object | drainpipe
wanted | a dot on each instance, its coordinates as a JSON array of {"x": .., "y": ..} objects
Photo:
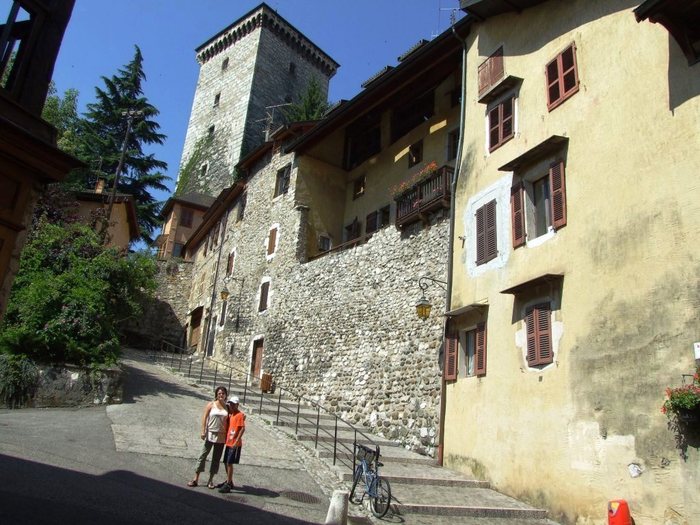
[
  {"x": 210, "y": 328},
  {"x": 450, "y": 248}
]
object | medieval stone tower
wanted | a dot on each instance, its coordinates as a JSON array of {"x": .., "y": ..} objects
[{"x": 248, "y": 72}]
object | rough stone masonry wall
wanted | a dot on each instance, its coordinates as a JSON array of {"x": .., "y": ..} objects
[
  {"x": 345, "y": 332},
  {"x": 341, "y": 329},
  {"x": 166, "y": 315}
]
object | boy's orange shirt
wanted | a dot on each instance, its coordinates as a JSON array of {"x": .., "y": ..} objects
[{"x": 236, "y": 424}]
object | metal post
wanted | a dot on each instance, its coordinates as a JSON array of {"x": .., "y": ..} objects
[
  {"x": 216, "y": 372},
  {"x": 201, "y": 371},
  {"x": 179, "y": 364},
  {"x": 296, "y": 428},
  {"x": 189, "y": 368},
  {"x": 245, "y": 387},
  {"x": 354, "y": 449},
  {"x": 230, "y": 373},
  {"x": 335, "y": 440},
  {"x": 261, "y": 400},
  {"x": 279, "y": 404},
  {"x": 172, "y": 360},
  {"x": 318, "y": 423}
]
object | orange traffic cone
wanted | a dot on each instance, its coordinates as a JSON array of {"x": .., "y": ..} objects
[{"x": 619, "y": 513}]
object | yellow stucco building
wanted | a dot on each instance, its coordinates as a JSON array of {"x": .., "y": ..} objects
[{"x": 575, "y": 268}]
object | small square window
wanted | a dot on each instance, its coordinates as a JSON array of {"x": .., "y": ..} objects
[
  {"x": 358, "y": 187},
  {"x": 324, "y": 243},
  {"x": 282, "y": 180},
  {"x": 415, "y": 153}
]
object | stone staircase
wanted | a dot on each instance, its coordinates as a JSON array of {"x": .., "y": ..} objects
[{"x": 422, "y": 491}]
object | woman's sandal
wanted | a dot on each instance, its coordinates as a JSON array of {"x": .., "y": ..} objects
[
  {"x": 192, "y": 483},
  {"x": 211, "y": 485}
]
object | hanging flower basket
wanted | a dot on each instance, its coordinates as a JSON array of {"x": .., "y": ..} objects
[{"x": 683, "y": 402}]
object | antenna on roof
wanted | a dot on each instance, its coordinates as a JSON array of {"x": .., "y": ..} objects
[{"x": 270, "y": 118}]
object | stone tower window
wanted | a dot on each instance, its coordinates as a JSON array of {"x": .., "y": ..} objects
[
  {"x": 217, "y": 99},
  {"x": 292, "y": 69},
  {"x": 224, "y": 64},
  {"x": 211, "y": 131}
]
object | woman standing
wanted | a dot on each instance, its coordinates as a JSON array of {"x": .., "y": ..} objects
[{"x": 214, "y": 423}]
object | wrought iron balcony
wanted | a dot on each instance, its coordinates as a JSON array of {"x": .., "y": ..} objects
[{"x": 430, "y": 194}]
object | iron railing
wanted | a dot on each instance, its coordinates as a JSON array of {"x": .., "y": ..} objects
[
  {"x": 425, "y": 196},
  {"x": 178, "y": 358}
]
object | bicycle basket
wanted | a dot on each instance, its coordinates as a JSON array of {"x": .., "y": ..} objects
[{"x": 365, "y": 453}]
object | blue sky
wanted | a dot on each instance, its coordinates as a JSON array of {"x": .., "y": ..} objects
[{"x": 362, "y": 35}]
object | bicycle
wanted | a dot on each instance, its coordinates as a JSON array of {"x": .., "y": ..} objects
[{"x": 375, "y": 487}]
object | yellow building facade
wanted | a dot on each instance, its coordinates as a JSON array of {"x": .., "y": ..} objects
[{"x": 575, "y": 269}]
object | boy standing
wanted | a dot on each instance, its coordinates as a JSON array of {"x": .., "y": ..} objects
[{"x": 234, "y": 442}]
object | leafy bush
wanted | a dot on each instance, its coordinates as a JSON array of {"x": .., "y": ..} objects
[
  {"x": 18, "y": 379},
  {"x": 70, "y": 295}
]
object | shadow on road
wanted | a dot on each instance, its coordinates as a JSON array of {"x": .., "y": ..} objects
[
  {"x": 34, "y": 493},
  {"x": 140, "y": 383}
]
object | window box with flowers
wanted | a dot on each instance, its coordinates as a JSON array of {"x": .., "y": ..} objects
[
  {"x": 427, "y": 190},
  {"x": 683, "y": 402}
]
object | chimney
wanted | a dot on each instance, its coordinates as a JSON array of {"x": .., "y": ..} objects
[{"x": 100, "y": 186}]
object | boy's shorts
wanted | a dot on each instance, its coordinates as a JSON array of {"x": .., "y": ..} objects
[{"x": 232, "y": 455}]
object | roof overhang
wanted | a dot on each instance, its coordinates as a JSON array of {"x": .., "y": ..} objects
[
  {"x": 474, "y": 307},
  {"x": 547, "y": 278},
  {"x": 542, "y": 150},
  {"x": 483, "y": 9}
]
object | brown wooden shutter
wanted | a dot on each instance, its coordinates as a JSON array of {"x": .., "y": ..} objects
[
  {"x": 484, "y": 76},
  {"x": 371, "y": 224},
  {"x": 496, "y": 66},
  {"x": 451, "y": 348},
  {"x": 480, "y": 352},
  {"x": 264, "y": 289},
  {"x": 517, "y": 214},
  {"x": 494, "y": 128},
  {"x": 539, "y": 335},
  {"x": 557, "y": 189},
  {"x": 491, "y": 241},
  {"x": 271, "y": 241},
  {"x": 481, "y": 235},
  {"x": 543, "y": 321},
  {"x": 229, "y": 264}
]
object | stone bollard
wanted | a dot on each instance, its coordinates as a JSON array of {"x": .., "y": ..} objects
[{"x": 338, "y": 509}]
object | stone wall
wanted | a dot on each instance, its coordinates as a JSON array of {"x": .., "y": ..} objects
[
  {"x": 340, "y": 329},
  {"x": 166, "y": 315}
]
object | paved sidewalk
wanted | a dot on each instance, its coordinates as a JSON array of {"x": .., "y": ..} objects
[{"x": 130, "y": 463}]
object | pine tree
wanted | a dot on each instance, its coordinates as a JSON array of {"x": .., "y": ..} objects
[
  {"x": 102, "y": 133},
  {"x": 312, "y": 105}
]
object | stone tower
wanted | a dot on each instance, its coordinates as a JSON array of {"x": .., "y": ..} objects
[{"x": 247, "y": 73}]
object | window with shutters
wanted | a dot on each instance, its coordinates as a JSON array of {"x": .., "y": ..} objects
[
  {"x": 538, "y": 328},
  {"x": 272, "y": 241},
  {"x": 353, "y": 230},
  {"x": 282, "y": 181},
  {"x": 501, "y": 123},
  {"x": 377, "y": 219},
  {"x": 264, "y": 296},
  {"x": 538, "y": 204},
  {"x": 491, "y": 71},
  {"x": 486, "y": 237},
  {"x": 465, "y": 353},
  {"x": 561, "y": 77}
]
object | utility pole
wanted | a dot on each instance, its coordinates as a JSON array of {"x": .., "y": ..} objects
[{"x": 130, "y": 116}]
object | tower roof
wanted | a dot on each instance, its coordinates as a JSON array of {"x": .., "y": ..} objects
[{"x": 264, "y": 16}]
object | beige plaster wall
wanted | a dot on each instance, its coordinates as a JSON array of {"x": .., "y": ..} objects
[{"x": 625, "y": 318}]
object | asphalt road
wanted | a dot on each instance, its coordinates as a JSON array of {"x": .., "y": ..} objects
[{"x": 129, "y": 463}]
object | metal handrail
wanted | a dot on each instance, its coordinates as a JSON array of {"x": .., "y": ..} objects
[{"x": 288, "y": 411}]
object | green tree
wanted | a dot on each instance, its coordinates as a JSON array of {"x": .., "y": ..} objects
[
  {"x": 102, "y": 133},
  {"x": 312, "y": 106},
  {"x": 62, "y": 114},
  {"x": 70, "y": 296}
]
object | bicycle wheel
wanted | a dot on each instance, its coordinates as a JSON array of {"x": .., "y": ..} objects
[
  {"x": 379, "y": 504},
  {"x": 355, "y": 480}
]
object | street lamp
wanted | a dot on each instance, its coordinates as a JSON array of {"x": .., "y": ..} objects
[
  {"x": 130, "y": 116},
  {"x": 423, "y": 306}
]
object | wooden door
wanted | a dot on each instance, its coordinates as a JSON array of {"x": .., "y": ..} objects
[{"x": 256, "y": 361}]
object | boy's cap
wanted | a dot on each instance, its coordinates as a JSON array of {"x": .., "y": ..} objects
[{"x": 234, "y": 400}]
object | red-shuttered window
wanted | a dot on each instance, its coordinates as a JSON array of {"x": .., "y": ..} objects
[
  {"x": 272, "y": 241},
  {"x": 264, "y": 291},
  {"x": 229, "y": 263},
  {"x": 561, "y": 77},
  {"x": 501, "y": 128},
  {"x": 451, "y": 350},
  {"x": 538, "y": 324},
  {"x": 486, "y": 241},
  {"x": 545, "y": 200}
]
